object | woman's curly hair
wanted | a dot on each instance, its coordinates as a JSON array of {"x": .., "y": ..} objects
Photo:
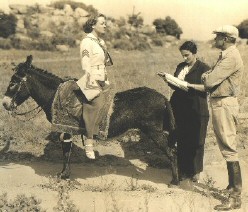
[
  {"x": 87, "y": 27},
  {"x": 190, "y": 46}
]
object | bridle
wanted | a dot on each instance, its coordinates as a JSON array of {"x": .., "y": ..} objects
[{"x": 14, "y": 113}]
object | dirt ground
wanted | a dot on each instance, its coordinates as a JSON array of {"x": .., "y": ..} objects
[{"x": 120, "y": 179}]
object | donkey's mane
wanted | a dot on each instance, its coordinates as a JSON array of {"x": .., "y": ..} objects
[{"x": 45, "y": 73}]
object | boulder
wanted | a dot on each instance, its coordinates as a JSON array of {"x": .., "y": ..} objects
[
  {"x": 81, "y": 21},
  {"x": 62, "y": 48},
  {"x": 20, "y": 24},
  {"x": 44, "y": 22},
  {"x": 79, "y": 12},
  {"x": 68, "y": 10},
  {"x": 170, "y": 38},
  {"x": 19, "y": 8},
  {"x": 47, "y": 34},
  {"x": 147, "y": 29},
  {"x": 58, "y": 12},
  {"x": 46, "y": 9}
]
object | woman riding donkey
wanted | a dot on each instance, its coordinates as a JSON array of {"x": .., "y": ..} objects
[{"x": 94, "y": 59}]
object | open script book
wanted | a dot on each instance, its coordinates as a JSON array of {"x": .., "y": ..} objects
[{"x": 176, "y": 82}]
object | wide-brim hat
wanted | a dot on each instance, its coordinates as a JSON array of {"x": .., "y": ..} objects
[{"x": 228, "y": 30}]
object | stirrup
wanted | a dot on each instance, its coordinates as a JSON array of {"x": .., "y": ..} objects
[{"x": 89, "y": 151}]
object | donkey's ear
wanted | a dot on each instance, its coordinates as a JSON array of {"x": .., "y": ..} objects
[{"x": 29, "y": 60}]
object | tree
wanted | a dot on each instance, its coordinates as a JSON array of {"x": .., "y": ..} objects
[
  {"x": 7, "y": 25},
  {"x": 167, "y": 26},
  {"x": 243, "y": 29},
  {"x": 135, "y": 20}
]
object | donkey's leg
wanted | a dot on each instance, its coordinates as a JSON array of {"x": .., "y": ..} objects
[
  {"x": 162, "y": 140},
  {"x": 66, "y": 142}
]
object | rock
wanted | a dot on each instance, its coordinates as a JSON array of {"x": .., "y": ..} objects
[
  {"x": 47, "y": 34},
  {"x": 147, "y": 29},
  {"x": 20, "y": 24},
  {"x": 19, "y": 8},
  {"x": 21, "y": 30},
  {"x": 62, "y": 48},
  {"x": 44, "y": 22},
  {"x": 79, "y": 12},
  {"x": 78, "y": 42},
  {"x": 170, "y": 38},
  {"x": 68, "y": 10},
  {"x": 58, "y": 12},
  {"x": 81, "y": 21},
  {"x": 22, "y": 37},
  {"x": 45, "y": 9}
]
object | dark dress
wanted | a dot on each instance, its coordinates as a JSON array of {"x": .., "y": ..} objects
[{"x": 192, "y": 116}]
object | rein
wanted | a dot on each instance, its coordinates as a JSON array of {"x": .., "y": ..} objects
[{"x": 16, "y": 114}]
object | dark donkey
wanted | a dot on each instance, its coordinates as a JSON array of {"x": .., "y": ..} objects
[{"x": 140, "y": 108}]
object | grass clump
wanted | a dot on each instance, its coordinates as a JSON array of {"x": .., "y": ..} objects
[{"x": 20, "y": 203}]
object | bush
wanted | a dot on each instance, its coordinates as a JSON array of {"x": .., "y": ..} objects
[
  {"x": 243, "y": 29},
  {"x": 157, "y": 40},
  {"x": 20, "y": 203},
  {"x": 32, "y": 31},
  {"x": 5, "y": 43},
  {"x": 140, "y": 43},
  {"x": 7, "y": 25},
  {"x": 43, "y": 44},
  {"x": 65, "y": 40},
  {"x": 34, "y": 9},
  {"x": 123, "y": 44},
  {"x": 167, "y": 26},
  {"x": 60, "y": 5},
  {"x": 38, "y": 44},
  {"x": 20, "y": 44}
]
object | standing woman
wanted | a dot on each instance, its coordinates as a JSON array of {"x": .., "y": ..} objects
[
  {"x": 191, "y": 113},
  {"x": 94, "y": 59}
]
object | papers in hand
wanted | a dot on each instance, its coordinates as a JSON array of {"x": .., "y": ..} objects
[{"x": 176, "y": 82}]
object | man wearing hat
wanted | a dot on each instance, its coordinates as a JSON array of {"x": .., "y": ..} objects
[{"x": 223, "y": 83}]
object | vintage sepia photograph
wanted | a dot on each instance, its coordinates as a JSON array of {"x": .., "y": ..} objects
[{"x": 123, "y": 106}]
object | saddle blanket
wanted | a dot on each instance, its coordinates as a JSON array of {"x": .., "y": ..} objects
[{"x": 67, "y": 110}]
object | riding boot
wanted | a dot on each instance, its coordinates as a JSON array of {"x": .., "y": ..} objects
[
  {"x": 234, "y": 200},
  {"x": 230, "y": 185},
  {"x": 89, "y": 148},
  {"x": 237, "y": 179},
  {"x": 66, "y": 142}
]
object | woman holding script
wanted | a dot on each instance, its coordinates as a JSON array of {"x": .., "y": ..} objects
[{"x": 189, "y": 103}]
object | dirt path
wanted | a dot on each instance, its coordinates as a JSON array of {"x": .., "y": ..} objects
[{"x": 97, "y": 186}]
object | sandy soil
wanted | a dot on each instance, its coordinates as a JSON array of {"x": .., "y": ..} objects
[{"x": 117, "y": 183}]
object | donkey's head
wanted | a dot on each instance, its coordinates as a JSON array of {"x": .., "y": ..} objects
[{"x": 17, "y": 90}]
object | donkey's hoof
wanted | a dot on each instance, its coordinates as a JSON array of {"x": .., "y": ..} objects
[
  {"x": 64, "y": 175},
  {"x": 174, "y": 184}
]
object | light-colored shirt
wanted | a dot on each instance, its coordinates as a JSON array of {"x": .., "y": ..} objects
[
  {"x": 93, "y": 57},
  {"x": 225, "y": 77},
  {"x": 183, "y": 73},
  {"x": 93, "y": 64}
]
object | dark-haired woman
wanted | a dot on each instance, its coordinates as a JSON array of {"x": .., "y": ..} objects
[
  {"x": 94, "y": 59},
  {"x": 191, "y": 113}
]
